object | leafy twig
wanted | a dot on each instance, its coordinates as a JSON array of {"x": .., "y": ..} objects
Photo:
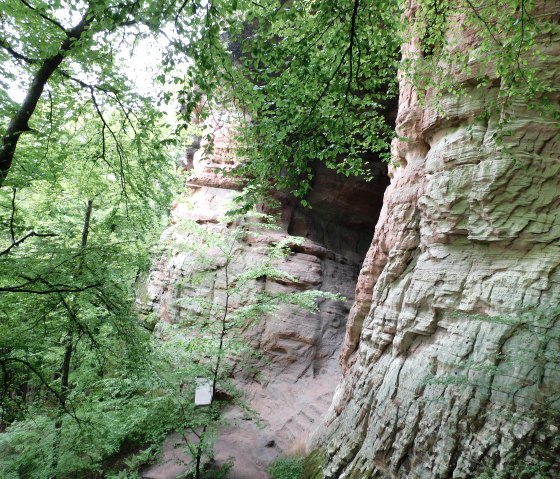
[
  {"x": 45, "y": 17},
  {"x": 27, "y": 236}
]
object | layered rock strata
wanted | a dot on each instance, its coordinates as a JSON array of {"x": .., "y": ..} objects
[
  {"x": 451, "y": 351},
  {"x": 296, "y": 383}
]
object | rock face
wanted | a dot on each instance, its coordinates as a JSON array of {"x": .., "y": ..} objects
[
  {"x": 295, "y": 387},
  {"x": 452, "y": 346}
]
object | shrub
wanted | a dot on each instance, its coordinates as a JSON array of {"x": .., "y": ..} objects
[{"x": 286, "y": 468}]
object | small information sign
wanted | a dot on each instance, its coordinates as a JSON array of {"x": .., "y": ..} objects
[{"x": 204, "y": 392}]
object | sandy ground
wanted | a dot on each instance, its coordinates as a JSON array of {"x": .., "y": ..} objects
[{"x": 292, "y": 411}]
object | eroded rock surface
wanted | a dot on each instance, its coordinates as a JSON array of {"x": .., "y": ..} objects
[
  {"x": 296, "y": 384},
  {"x": 451, "y": 351}
]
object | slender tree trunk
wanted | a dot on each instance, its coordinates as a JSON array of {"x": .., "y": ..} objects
[
  {"x": 216, "y": 372},
  {"x": 198, "y": 468},
  {"x": 64, "y": 383},
  {"x": 87, "y": 219},
  {"x": 67, "y": 359}
]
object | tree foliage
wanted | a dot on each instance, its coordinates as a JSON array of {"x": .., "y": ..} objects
[
  {"x": 77, "y": 231},
  {"x": 317, "y": 81},
  {"x": 313, "y": 80},
  {"x": 286, "y": 468},
  {"x": 90, "y": 180},
  {"x": 510, "y": 40}
]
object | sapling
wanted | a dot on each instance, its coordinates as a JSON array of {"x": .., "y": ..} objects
[{"x": 227, "y": 296}]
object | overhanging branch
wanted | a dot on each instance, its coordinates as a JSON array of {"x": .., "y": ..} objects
[
  {"x": 54, "y": 290},
  {"x": 20, "y": 121},
  {"x": 45, "y": 17},
  {"x": 15, "y": 244},
  {"x": 44, "y": 382},
  {"x": 17, "y": 55}
]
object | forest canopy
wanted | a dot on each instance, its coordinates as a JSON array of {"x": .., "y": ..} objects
[{"x": 312, "y": 80}]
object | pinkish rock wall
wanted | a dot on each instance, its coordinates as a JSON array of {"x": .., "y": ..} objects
[
  {"x": 452, "y": 345},
  {"x": 296, "y": 384}
]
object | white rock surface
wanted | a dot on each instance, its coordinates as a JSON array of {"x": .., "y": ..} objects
[{"x": 451, "y": 351}]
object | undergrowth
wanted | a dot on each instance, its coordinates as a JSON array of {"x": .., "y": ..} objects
[{"x": 286, "y": 468}]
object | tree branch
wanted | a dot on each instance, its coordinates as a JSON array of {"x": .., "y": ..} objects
[
  {"x": 62, "y": 289},
  {"x": 50, "y": 124},
  {"x": 351, "y": 50},
  {"x": 109, "y": 91},
  {"x": 120, "y": 152},
  {"x": 180, "y": 10},
  {"x": 518, "y": 56},
  {"x": 85, "y": 230},
  {"x": 15, "y": 244},
  {"x": 324, "y": 91},
  {"x": 83, "y": 84},
  {"x": 44, "y": 382},
  {"x": 45, "y": 17},
  {"x": 484, "y": 22},
  {"x": 20, "y": 121},
  {"x": 18, "y": 56}
]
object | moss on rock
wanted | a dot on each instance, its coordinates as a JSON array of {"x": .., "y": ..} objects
[{"x": 313, "y": 465}]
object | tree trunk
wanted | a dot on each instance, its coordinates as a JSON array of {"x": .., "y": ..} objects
[{"x": 67, "y": 359}]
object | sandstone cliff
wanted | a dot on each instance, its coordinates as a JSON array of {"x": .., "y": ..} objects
[
  {"x": 451, "y": 346},
  {"x": 451, "y": 350},
  {"x": 296, "y": 382}
]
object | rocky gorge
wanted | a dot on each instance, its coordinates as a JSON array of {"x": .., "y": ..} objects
[
  {"x": 444, "y": 360},
  {"x": 280, "y": 239},
  {"x": 296, "y": 384}
]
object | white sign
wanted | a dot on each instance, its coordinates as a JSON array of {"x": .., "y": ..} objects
[{"x": 204, "y": 392}]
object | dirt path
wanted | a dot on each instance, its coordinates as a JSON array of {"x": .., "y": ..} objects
[
  {"x": 249, "y": 446},
  {"x": 292, "y": 411}
]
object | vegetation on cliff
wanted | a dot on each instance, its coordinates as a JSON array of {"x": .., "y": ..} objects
[
  {"x": 86, "y": 177},
  {"x": 317, "y": 81}
]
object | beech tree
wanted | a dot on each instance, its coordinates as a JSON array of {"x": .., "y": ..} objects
[
  {"x": 64, "y": 52},
  {"x": 87, "y": 177},
  {"x": 75, "y": 240}
]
